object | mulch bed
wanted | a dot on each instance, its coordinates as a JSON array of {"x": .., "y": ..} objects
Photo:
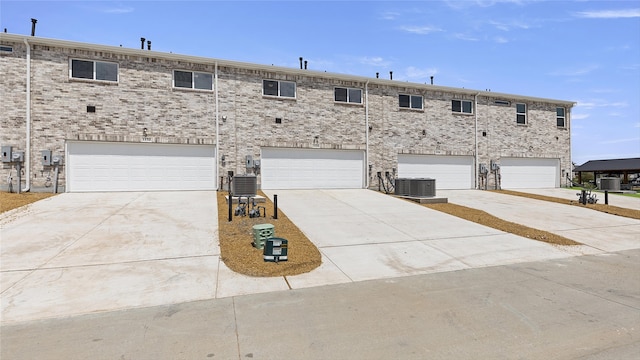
[{"x": 239, "y": 254}]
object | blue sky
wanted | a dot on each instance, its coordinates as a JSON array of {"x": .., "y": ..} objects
[{"x": 582, "y": 51}]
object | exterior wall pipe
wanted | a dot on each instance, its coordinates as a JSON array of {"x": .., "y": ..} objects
[
  {"x": 475, "y": 155},
  {"x": 569, "y": 171},
  {"x": 366, "y": 129},
  {"x": 217, "y": 116},
  {"x": 27, "y": 159}
]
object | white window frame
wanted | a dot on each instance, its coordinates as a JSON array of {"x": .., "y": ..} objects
[
  {"x": 462, "y": 102},
  {"x": 279, "y": 95},
  {"x": 95, "y": 62},
  {"x": 193, "y": 80},
  {"x": 410, "y": 107},
  {"x": 348, "y": 101},
  {"x": 523, "y": 114},
  {"x": 563, "y": 117}
]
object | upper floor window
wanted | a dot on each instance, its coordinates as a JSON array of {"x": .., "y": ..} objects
[
  {"x": 6, "y": 48},
  {"x": 279, "y": 88},
  {"x": 192, "y": 80},
  {"x": 348, "y": 95},
  {"x": 561, "y": 119},
  {"x": 410, "y": 101},
  {"x": 93, "y": 70},
  {"x": 521, "y": 114},
  {"x": 462, "y": 106}
]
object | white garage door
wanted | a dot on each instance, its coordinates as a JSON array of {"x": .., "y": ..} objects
[
  {"x": 529, "y": 173},
  {"x": 450, "y": 172},
  {"x": 284, "y": 168},
  {"x": 103, "y": 166}
]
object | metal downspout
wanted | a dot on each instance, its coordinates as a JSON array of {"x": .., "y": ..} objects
[
  {"x": 366, "y": 129},
  {"x": 27, "y": 159},
  {"x": 475, "y": 156},
  {"x": 217, "y": 126}
]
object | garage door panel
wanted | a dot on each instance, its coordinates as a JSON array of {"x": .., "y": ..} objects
[
  {"x": 311, "y": 168},
  {"x": 98, "y": 166},
  {"x": 450, "y": 172},
  {"x": 523, "y": 173}
]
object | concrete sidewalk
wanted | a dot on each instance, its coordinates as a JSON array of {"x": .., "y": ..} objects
[{"x": 584, "y": 307}]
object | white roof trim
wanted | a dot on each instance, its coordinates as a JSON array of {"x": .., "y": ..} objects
[{"x": 293, "y": 71}]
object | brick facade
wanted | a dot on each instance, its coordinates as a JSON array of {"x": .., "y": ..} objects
[{"x": 145, "y": 98}]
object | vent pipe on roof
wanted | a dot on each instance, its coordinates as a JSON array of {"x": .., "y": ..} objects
[
  {"x": 142, "y": 43},
  {"x": 431, "y": 80},
  {"x": 148, "y": 44},
  {"x": 377, "y": 75},
  {"x": 305, "y": 64},
  {"x": 33, "y": 26},
  {"x": 300, "y": 62},
  {"x": 390, "y": 75}
]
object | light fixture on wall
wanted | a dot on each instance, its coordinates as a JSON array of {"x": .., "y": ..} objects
[
  {"x": 370, "y": 127},
  {"x": 424, "y": 132},
  {"x": 224, "y": 117},
  {"x": 144, "y": 132}
]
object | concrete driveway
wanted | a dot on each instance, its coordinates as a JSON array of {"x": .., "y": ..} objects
[
  {"x": 91, "y": 252},
  {"x": 366, "y": 235},
  {"x": 600, "y": 231},
  {"x": 96, "y": 252}
]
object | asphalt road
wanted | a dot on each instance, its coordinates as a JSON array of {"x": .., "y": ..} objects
[{"x": 585, "y": 307}]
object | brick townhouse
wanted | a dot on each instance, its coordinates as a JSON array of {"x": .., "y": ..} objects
[{"x": 126, "y": 119}]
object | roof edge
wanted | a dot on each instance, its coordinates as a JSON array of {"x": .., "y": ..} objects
[{"x": 272, "y": 68}]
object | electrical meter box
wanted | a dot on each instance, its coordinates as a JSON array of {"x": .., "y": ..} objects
[
  {"x": 46, "y": 157},
  {"x": 18, "y": 156},
  {"x": 249, "y": 160},
  {"x": 256, "y": 163},
  {"x": 57, "y": 160},
  {"x": 276, "y": 249},
  {"x": 494, "y": 166},
  {"x": 6, "y": 154},
  {"x": 483, "y": 168}
]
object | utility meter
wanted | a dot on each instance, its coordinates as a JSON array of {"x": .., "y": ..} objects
[{"x": 18, "y": 156}]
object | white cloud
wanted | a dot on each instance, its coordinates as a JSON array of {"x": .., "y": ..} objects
[
  {"x": 577, "y": 71},
  {"x": 415, "y": 73},
  {"x": 500, "y": 40},
  {"x": 374, "y": 61},
  {"x": 465, "y": 37},
  {"x": 579, "y": 116},
  {"x": 117, "y": 10},
  {"x": 631, "y": 67},
  {"x": 618, "y": 141},
  {"x": 599, "y": 103},
  {"x": 390, "y": 15},
  {"x": 421, "y": 30},
  {"x": 509, "y": 26},
  {"x": 457, "y": 4},
  {"x": 609, "y": 14}
]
